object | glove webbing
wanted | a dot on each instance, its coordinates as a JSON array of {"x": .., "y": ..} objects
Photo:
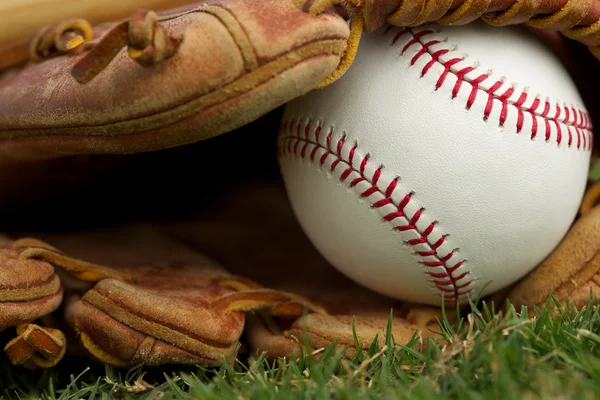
[{"x": 576, "y": 19}]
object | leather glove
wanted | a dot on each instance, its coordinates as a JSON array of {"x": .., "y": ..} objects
[{"x": 75, "y": 98}]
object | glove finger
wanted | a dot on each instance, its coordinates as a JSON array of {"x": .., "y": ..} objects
[
  {"x": 315, "y": 331},
  {"x": 164, "y": 316},
  {"x": 29, "y": 289},
  {"x": 219, "y": 78}
]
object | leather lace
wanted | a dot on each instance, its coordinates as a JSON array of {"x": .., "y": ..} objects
[{"x": 576, "y": 19}]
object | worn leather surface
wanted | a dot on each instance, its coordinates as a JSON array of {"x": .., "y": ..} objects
[
  {"x": 28, "y": 289},
  {"x": 40, "y": 198},
  {"x": 237, "y": 61},
  {"x": 164, "y": 316}
]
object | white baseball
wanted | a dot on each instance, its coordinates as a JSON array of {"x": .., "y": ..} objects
[{"x": 447, "y": 161}]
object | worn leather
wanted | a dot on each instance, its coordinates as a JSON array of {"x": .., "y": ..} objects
[
  {"x": 29, "y": 289},
  {"x": 233, "y": 65},
  {"x": 127, "y": 108},
  {"x": 36, "y": 346},
  {"x": 170, "y": 310},
  {"x": 576, "y": 19},
  {"x": 405, "y": 13},
  {"x": 163, "y": 316}
]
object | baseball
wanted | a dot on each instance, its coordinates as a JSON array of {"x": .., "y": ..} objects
[{"x": 446, "y": 164}]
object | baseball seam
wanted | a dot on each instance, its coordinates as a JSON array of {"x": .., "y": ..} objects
[
  {"x": 568, "y": 120},
  {"x": 447, "y": 271}
]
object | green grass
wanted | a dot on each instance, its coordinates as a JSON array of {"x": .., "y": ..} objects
[{"x": 514, "y": 355}]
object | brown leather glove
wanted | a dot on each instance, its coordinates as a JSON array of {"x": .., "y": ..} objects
[
  {"x": 159, "y": 314},
  {"x": 164, "y": 302},
  {"x": 74, "y": 99},
  {"x": 30, "y": 289}
]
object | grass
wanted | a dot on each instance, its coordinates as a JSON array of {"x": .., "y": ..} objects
[{"x": 524, "y": 354}]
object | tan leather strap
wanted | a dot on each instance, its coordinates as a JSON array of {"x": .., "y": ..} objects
[
  {"x": 36, "y": 347},
  {"x": 433, "y": 11},
  {"x": 147, "y": 43},
  {"x": 568, "y": 16},
  {"x": 551, "y": 14},
  {"x": 578, "y": 19},
  {"x": 81, "y": 270},
  {"x": 404, "y": 14},
  {"x": 250, "y": 296},
  {"x": 518, "y": 13},
  {"x": 469, "y": 11},
  {"x": 66, "y": 37},
  {"x": 588, "y": 35}
]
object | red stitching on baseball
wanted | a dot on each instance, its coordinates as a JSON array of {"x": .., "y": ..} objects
[
  {"x": 363, "y": 164},
  {"x": 567, "y": 115},
  {"x": 416, "y": 37},
  {"x": 451, "y": 286},
  {"x": 460, "y": 76},
  {"x": 447, "y": 65},
  {"x": 369, "y": 191},
  {"x": 581, "y": 121},
  {"x": 356, "y": 181},
  {"x": 303, "y": 152},
  {"x": 435, "y": 57},
  {"x": 334, "y": 164},
  {"x": 475, "y": 88},
  {"x": 323, "y": 157},
  {"x": 351, "y": 155},
  {"x": 392, "y": 216},
  {"x": 521, "y": 100},
  {"x": 345, "y": 173},
  {"x": 376, "y": 175},
  {"x": 312, "y": 154},
  {"x": 391, "y": 187},
  {"x": 423, "y": 51}
]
